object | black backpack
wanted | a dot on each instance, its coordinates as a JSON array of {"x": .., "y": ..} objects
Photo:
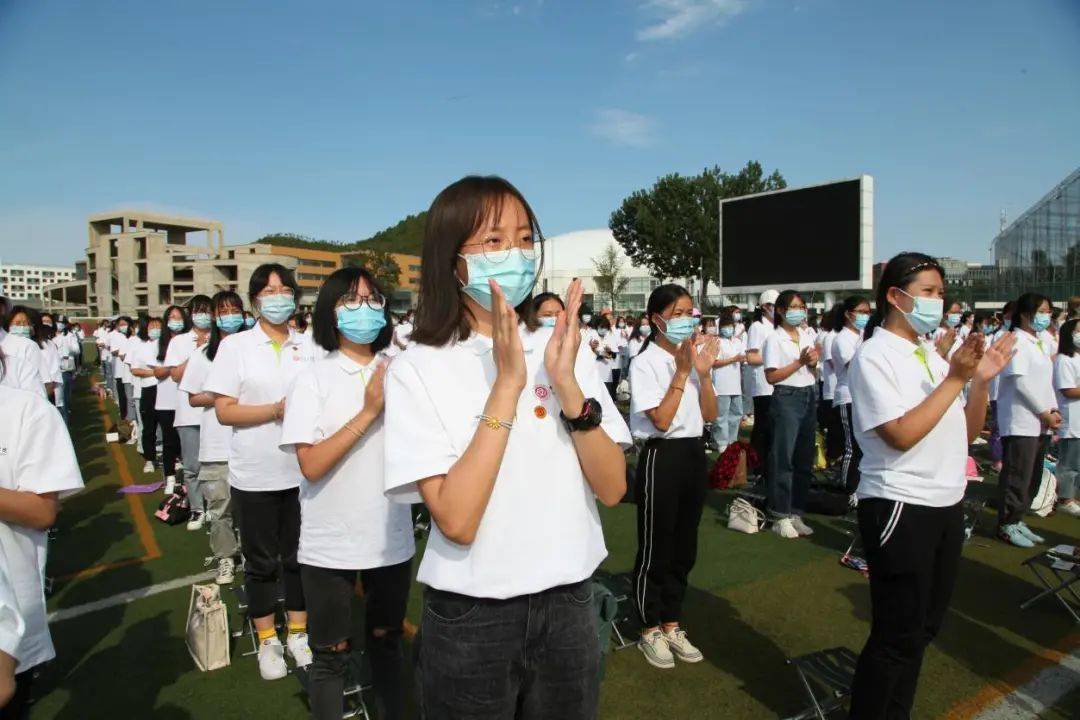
[{"x": 174, "y": 509}]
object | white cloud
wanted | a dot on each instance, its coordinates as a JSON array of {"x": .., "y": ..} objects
[
  {"x": 678, "y": 18},
  {"x": 622, "y": 127},
  {"x": 631, "y": 57}
]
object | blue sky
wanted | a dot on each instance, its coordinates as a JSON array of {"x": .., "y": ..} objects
[{"x": 336, "y": 119}]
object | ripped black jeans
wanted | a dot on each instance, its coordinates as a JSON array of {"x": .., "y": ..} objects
[{"x": 329, "y": 596}]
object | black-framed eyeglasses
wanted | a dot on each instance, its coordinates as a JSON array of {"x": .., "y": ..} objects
[{"x": 375, "y": 301}]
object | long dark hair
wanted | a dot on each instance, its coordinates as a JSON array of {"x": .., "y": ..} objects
[
  {"x": 225, "y": 298},
  {"x": 337, "y": 285},
  {"x": 899, "y": 272},
  {"x": 841, "y": 310},
  {"x": 661, "y": 299},
  {"x": 166, "y": 333},
  {"x": 1066, "y": 346},
  {"x": 33, "y": 316},
  {"x": 1027, "y": 305},
  {"x": 456, "y": 213},
  {"x": 784, "y": 300}
]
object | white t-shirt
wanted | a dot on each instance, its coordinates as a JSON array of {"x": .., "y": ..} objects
[
  {"x": 633, "y": 347},
  {"x": 828, "y": 374},
  {"x": 67, "y": 346},
  {"x": 1032, "y": 372},
  {"x": 402, "y": 333},
  {"x": 36, "y": 456},
  {"x": 12, "y": 627},
  {"x": 844, "y": 347},
  {"x": 116, "y": 342},
  {"x": 606, "y": 366},
  {"x": 348, "y": 522},
  {"x": 180, "y": 349},
  {"x": 759, "y": 330},
  {"x": 1067, "y": 376},
  {"x": 1049, "y": 342},
  {"x": 248, "y": 368},
  {"x": 142, "y": 355},
  {"x": 214, "y": 438},
  {"x": 780, "y": 350},
  {"x": 21, "y": 375},
  {"x": 50, "y": 363},
  {"x": 887, "y": 380},
  {"x": 26, "y": 350},
  {"x": 541, "y": 528},
  {"x": 650, "y": 376},
  {"x": 727, "y": 380}
]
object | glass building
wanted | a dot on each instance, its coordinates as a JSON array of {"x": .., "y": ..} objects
[{"x": 1040, "y": 250}]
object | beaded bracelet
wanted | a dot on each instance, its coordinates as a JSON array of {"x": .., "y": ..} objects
[
  {"x": 494, "y": 423},
  {"x": 354, "y": 431}
]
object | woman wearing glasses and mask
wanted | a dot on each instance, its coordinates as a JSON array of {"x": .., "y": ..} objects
[
  {"x": 505, "y": 432},
  {"x": 250, "y": 375}
]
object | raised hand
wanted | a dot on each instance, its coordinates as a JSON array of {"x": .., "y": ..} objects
[
  {"x": 967, "y": 357},
  {"x": 705, "y": 355},
  {"x": 685, "y": 357},
  {"x": 945, "y": 342},
  {"x": 373, "y": 393},
  {"x": 996, "y": 357},
  {"x": 560, "y": 355},
  {"x": 506, "y": 348}
]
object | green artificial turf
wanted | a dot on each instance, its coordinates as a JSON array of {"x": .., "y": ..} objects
[{"x": 754, "y": 601}]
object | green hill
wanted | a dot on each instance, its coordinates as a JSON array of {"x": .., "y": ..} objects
[{"x": 406, "y": 237}]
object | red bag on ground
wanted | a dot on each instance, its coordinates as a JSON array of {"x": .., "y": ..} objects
[{"x": 730, "y": 469}]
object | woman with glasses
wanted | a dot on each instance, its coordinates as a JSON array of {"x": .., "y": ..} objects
[
  {"x": 333, "y": 422},
  {"x": 505, "y": 432},
  {"x": 250, "y": 375}
]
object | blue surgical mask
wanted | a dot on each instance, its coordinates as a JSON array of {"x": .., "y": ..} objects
[
  {"x": 60, "y": 326},
  {"x": 229, "y": 323},
  {"x": 678, "y": 329},
  {"x": 176, "y": 325},
  {"x": 861, "y": 319},
  {"x": 727, "y": 332},
  {"x": 20, "y": 330},
  {"x": 515, "y": 275},
  {"x": 548, "y": 322},
  {"x": 602, "y": 332},
  {"x": 925, "y": 315},
  {"x": 201, "y": 320},
  {"x": 277, "y": 309},
  {"x": 795, "y": 318},
  {"x": 249, "y": 322},
  {"x": 154, "y": 333},
  {"x": 645, "y": 330},
  {"x": 360, "y": 325},
  {"x": 122, "y": 328},
  {"x": 987, "y": 330},
  {"x": 586, "y": 319},
  {"x": 1040, "y": 322},
  {"x": 952, "y": 319},
  {"x": 737, "y": 317}
]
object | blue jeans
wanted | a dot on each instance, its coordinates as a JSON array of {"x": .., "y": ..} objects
[
  {"x": 527, "y": 657},
  {"x": 725, "y": 428},
  {"x": 189, "y": 458},
  {"x": 1068, "y": 467},
  {"x": 790, "y": 462}
]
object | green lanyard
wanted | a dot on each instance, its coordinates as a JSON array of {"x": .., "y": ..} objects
[{"x": 920, "y": 354}]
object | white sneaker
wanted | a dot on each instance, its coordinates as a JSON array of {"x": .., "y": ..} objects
[
  {"x": 224, "y": 571},
  {"x": 196, "y": 521},
  {"x": 801, "y": 527},
  {"x": 1070, "y": 507},
  {"x": 681, "y": 647},
  {"x": 299, "y": 650},
  {"x": 785, "y": 528},
  {"x": 148, "y": 467},
  {"x": 170, "y": 484},
  {"x": 272, "y": 660},
  {"x": 654, "y": 647}
]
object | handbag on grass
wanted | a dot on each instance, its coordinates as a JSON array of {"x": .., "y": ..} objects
[
  {"x": 208, "y": 628},
  {"x": 744, "y": 517}
]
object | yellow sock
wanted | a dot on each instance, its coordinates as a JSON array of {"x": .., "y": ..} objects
[
  {"x": 297, "y": 628},
  {"x": 266, "y": 634}
]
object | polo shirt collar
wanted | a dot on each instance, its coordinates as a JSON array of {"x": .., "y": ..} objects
[
  {"x": 1027, "y": 336},
  {"x": 895, "y": 341},
  {"x": 262, "y": 337},
  {"x": 481, "y": 344},
  {"x": 350, "y": 366}
]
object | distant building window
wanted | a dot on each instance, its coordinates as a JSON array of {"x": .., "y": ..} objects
[{"x": 414, "y": 268}]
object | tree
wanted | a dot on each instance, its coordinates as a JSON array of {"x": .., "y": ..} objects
[
  {"x": 379, "y": 263},
  {"x": 609, "y": 277},
  {"x": 673, "y": 228}
]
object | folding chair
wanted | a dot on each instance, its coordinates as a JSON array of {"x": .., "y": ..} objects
[
  {"x": 1065, "y": 571},
  {"x": 357, "y": 682},
  {"x": 826, "y": 676},
  {"x": 620, "y": 587}
]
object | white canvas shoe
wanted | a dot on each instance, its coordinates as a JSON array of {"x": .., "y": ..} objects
[
  {"x": 785, "y": 528},
  {"x": 272, "y": 660},
  {"x": 299, "y": 650}
]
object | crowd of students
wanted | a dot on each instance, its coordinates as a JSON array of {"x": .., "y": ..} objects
[{"x": 303, "y": 438}]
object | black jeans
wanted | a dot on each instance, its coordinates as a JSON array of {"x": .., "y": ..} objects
[
  {"x": 527, "y": 657},
  {"x": 790, "y": 462},
  {"x": 121, "y": 400},
  {"x": 672, "y": 482},
  {"x": 170, "y": 440},
  {"x": 269, "y": 536},
  {"x": 329, "y": 595},
  {"x": 1021, "y": 472},
  {"x": 913, "y": 552},
  {"x": 761, "y": 434},
  {"x": 849, "y": 464}
]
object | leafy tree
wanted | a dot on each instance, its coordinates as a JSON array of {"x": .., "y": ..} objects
[
  {"x": 379, "y": 263},
  {"x": 407, "y": 236},
  {"x": 609, "y": 277},
  {"x": 673, "y": 228},
  {"x": 294, "y": 240}
]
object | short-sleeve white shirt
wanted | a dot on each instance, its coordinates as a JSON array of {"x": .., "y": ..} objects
[
  {"x": 650, "y": 376},
  {"x": 780, "y": 350},
  {"x": 348, "y": 522},
  {"x": 759, "y": 331},
  {"x": 727, "y": 380},
  {"x": 21, "y": 375},
  {"x": 844, "y": 347},
  {"x": 828, "y": 373},
  {"x": 1032, "y": 373},
  {"x": 26, "y": 350},
  {"x": 36, "y": 456},
  {"x": 214, "y": 438},
  {"x": 541, "y": 528},
  {"x": 248, "y": 368},
  {"x": 180, "y": 349},
  {"x": 1067, "y": 376},
  {"x": 887, "y": 380},
  {"x": 12, "y": 627}
]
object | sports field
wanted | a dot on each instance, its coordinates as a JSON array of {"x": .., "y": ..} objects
[{"x": 755, "y": 600}]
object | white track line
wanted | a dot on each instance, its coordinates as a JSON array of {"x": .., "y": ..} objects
[
  {"x": 1041, "y": 692},
  {"x": 129, "y": 596}
]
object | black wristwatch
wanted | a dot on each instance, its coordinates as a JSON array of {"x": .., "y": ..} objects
[{"x": 590, "y": 417}]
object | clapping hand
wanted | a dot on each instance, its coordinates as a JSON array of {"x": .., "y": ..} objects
[
  {"x": 506, "y": 348},
  {"x": 967, "y": 357},
  {"x": 703, "y": 356},
  {"x": 945, "y": 342},
  {"x": 996, "y": 357}
]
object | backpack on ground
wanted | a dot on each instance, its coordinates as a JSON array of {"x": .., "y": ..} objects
[
  {"x": 175, "y": 509},
  {"x": 1042, "y": 504}
]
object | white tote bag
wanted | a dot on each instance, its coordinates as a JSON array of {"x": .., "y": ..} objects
[
  {"x": 208, "y": 628},
  {"x": 1043, "y": 502},
  {"x": 744, "y": 517}
]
